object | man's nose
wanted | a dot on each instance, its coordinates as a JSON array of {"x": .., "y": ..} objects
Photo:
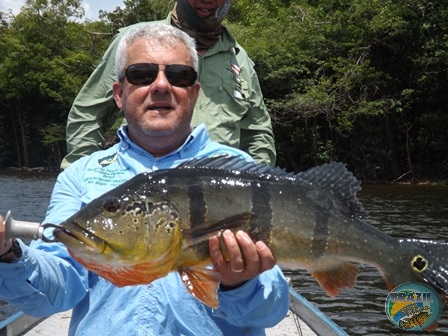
[{"x": 161, "y": 82}]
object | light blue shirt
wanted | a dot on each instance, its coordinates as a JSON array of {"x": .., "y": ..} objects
[{"x": 46, "y": 280}]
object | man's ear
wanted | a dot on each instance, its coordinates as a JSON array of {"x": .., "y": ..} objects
[
  {"x": 196, "y": 88},
  {"x": 117, "y": 88}
]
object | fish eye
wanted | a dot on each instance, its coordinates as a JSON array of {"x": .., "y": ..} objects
[{"x": 112, "y": 205}]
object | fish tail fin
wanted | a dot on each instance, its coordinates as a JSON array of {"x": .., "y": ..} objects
[
  {"x": 420, "y": 261},
  {"x": 432, "y": 263},
  {"x": 334, "y": 280},
  {"x": 428, "y": 262}
]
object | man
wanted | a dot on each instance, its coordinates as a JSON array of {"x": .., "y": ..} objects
[
  {"x": 230, "y": 101},
  {"x": 157, "y": 90}
]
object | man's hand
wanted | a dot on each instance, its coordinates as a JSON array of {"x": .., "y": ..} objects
[
  {"x": 4, "y": 246},
  {"x": 246, "y": 258}
]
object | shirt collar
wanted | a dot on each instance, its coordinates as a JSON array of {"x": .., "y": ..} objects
[{"x": 197, "y": 140}]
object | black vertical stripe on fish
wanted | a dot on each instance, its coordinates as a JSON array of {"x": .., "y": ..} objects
[
  {"x": 197, "y": 206},
  {"x": 261, "y": 224},
  {"x": 321, "y": 230}
]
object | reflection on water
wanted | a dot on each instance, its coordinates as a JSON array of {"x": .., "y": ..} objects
[{"x": 401, "y": 211}]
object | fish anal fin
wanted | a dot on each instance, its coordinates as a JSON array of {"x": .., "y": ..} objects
[
  {"x": 332, "y": 281},
  {"x": 202, "y": 283},
  {"x": 198, "y": 234}
]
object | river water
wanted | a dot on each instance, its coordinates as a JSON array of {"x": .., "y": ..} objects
[{"x": 399, "y": 210}]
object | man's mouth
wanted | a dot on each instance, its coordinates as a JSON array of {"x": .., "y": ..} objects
[
  {"x": 205, "y": 11},
  {"x": 160, "y": 107}
]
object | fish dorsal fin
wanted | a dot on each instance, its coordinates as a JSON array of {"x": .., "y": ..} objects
[
  {"x": 201, "y": 233},
  {"x": 202, "y": 283},
  {"x": 333, "y": 178},
  {"x": 234, "y": 163},
  {"x": 336, "y": 179}
]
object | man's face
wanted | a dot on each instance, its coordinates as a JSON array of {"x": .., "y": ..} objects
[
  {"x": 158, "y": 109},
  {"x": 205, "y": 8}
]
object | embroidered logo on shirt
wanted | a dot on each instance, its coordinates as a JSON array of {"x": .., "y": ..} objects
[
  {"x": 106, "y": 177},
  {"x": 105, "y": 161}
]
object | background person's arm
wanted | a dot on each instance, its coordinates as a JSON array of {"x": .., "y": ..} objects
[{"x": 94, "y": 110}]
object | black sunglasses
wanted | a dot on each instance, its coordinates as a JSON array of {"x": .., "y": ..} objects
[{"x": 146, "y": 73}]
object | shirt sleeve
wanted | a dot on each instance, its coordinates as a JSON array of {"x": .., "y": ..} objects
[
  {"x": 257, "y": 136},
  {"x": 41, "y": 284},
  {"x": 261, "y": 302},
  {"x": 94, "y": 110}
]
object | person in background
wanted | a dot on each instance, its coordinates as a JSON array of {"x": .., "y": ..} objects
[
  {"x": 230, "y": 101},
  {"x": 156, "y": 65}
]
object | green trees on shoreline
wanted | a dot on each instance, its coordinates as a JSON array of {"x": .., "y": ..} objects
[{"x": 360, "y": 82}]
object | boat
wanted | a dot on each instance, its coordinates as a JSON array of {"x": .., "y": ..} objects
[
  {"x": 17, "y": 324},
  {"x": 303, "y": 319}
]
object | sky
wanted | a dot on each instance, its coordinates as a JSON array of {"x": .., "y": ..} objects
[{"x": 91, "y": 7}]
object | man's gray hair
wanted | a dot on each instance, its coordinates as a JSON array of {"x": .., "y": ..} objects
[{"x": 155, "y": 34}]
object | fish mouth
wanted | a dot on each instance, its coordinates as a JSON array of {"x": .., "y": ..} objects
[{"x": 76, "y": 237}]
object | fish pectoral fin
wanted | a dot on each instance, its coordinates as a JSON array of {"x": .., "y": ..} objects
[
  {"x": 202, "y": 283},
  {"x": 198, "y": 234},
  {"x": 334, "y": 280}
]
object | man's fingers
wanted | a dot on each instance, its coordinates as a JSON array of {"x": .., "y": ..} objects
[
  {"x": 235, "y": 254},
  {"x": 241, "y": 259},
  {"x": 267, "y": 259},
  {"x": 250, "y": 253},
  {"x": 215, "y": 253}
]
